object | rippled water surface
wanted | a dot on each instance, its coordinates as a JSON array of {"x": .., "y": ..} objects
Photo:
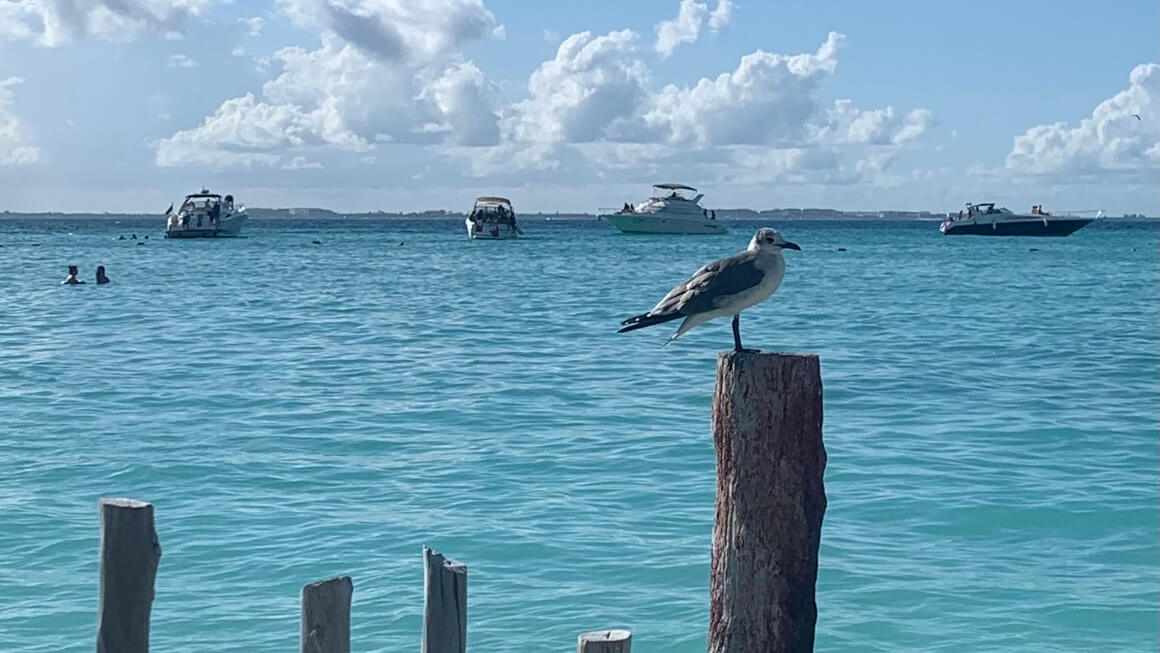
[{"x": 299, "y": 411}]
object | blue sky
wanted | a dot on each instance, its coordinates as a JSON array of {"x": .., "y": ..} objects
[{"x": 410, "y": 104}]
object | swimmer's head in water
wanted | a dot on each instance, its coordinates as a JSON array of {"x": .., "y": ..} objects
[{"x": 72, "y": 269}]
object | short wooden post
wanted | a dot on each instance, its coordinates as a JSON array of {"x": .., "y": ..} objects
[
  {"x": 605, "y": 641},
  {"x": 444, "y": 604},
  {"x": 130, "y": 553},
  {"x": 326, "y": 616},
  {"x": 767, "y": 430}
]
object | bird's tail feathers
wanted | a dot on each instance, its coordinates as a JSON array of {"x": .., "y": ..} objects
[
  {"x": 690, "y": 322},
  {"x": 646, "y": 320}
]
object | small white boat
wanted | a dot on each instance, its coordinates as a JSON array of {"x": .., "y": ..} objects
[
  {"x": 205, "y": 215},
  {"x": 492, "y": 218},
  {"x": 668, "y": 212},
  {"x": 986, "y": 219}
]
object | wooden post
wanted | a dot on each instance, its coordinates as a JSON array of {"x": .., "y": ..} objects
[
  {"x": 444, "y": 604},
  {"x": 130, "y": 553},
  {"x": 605, "y": 641},
  {"x": 326, "y": 616},
  {"x": 767, "y": 429}
]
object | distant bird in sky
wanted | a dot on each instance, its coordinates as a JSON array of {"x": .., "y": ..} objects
[
  {"x": 722, "y": 288},
  {"x": 1137, "y": 116}
]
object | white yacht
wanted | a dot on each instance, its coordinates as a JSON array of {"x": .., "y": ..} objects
[
  {"x": 668, "y": 211},
  {"x": 986, "y": 219},
  {"x": 492, "y": 218},
  {"x": 205, "y": 215}
]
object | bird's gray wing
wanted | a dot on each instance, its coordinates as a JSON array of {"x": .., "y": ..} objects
[{"x": 711, "y": 285}]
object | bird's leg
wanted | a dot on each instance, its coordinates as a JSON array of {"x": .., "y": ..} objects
[{"x": 737, "y": 336}]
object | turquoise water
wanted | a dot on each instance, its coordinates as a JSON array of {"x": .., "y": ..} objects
[{"x": 300, "y": 411}]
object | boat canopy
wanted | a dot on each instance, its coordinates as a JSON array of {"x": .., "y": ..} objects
[
  {"x": 489, "y": 199},
  {"x": 674, "y": 187},
  {"x": 986, "y": 208},
  {"x": 204, "y": 193}
]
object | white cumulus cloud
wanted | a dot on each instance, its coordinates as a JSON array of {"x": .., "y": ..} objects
[
  {"x": 585, "y": 93},
  {"x": 593, "y": 109},
  {"x": 301, "y": 163},
  {"x": 180, "y": 61},
  {"x": 462, "y": 97},
  {"x": 392, "y": 72},
  {"x": 1112, "y": 139},
  {"x": 16, "y": 146},
  {"x": 767, "y": 99},
  {"x": 342, "y": 97},
  {"x": 398, "y": 30},
  {"x": 254, "y": 24},
  {"x": 244, "y": 132},
  {"x": 692, "y": 18},
  {"x": 56, "y": 22},
  {"x": 847, "y": 124}
]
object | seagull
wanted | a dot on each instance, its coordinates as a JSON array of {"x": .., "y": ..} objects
[
  {"x": 1137, "y": 116},
  {"x": 722, "y": 288}
]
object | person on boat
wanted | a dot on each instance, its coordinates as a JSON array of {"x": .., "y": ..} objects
[
  {"x": 101, "y": 277},
  {"x": 71, "y": 279},
  {"x": 229, "y": 204}
]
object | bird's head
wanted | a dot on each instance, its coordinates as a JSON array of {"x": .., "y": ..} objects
[{"x": 770, "y": 240}]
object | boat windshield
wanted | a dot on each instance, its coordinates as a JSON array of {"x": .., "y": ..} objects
[
  {"x": 199, "y": 203},
  {"x": 670, "y": 194},
  {"x": 987, "y": 208},
  {"x": 493, "y": 212}
]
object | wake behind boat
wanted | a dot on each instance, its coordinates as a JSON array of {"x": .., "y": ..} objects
[
  {"x": 985, "y": 219},
  {"x": 666, "y": 213},
  {"x": 205, "y": 215}
]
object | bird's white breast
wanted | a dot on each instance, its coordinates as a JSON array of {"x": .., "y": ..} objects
[{"x": 773, "y": 267}]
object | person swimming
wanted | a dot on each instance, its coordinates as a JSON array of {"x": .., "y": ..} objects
[
  {"x": 101, "y": 277},
  {"x": 71, "y": 279}
]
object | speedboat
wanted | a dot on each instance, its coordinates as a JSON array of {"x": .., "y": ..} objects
[
  {"x": 492, "y": 218},
  {"x": 668, "y": 211},
  {"x": 205, "y": 215},
  {"x": 986, "y": 219}
]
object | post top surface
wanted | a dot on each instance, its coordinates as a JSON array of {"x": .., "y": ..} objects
[
  {"x": 759, "y": 355},
  {"x": 614, "y": 635},
  {"x": 117, "y": 502},
  {"x": 431, "y": 555},
  {"x": 345, "y": 580}
]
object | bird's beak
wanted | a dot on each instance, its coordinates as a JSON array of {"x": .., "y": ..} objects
[{"x": 789, "y": 245}]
